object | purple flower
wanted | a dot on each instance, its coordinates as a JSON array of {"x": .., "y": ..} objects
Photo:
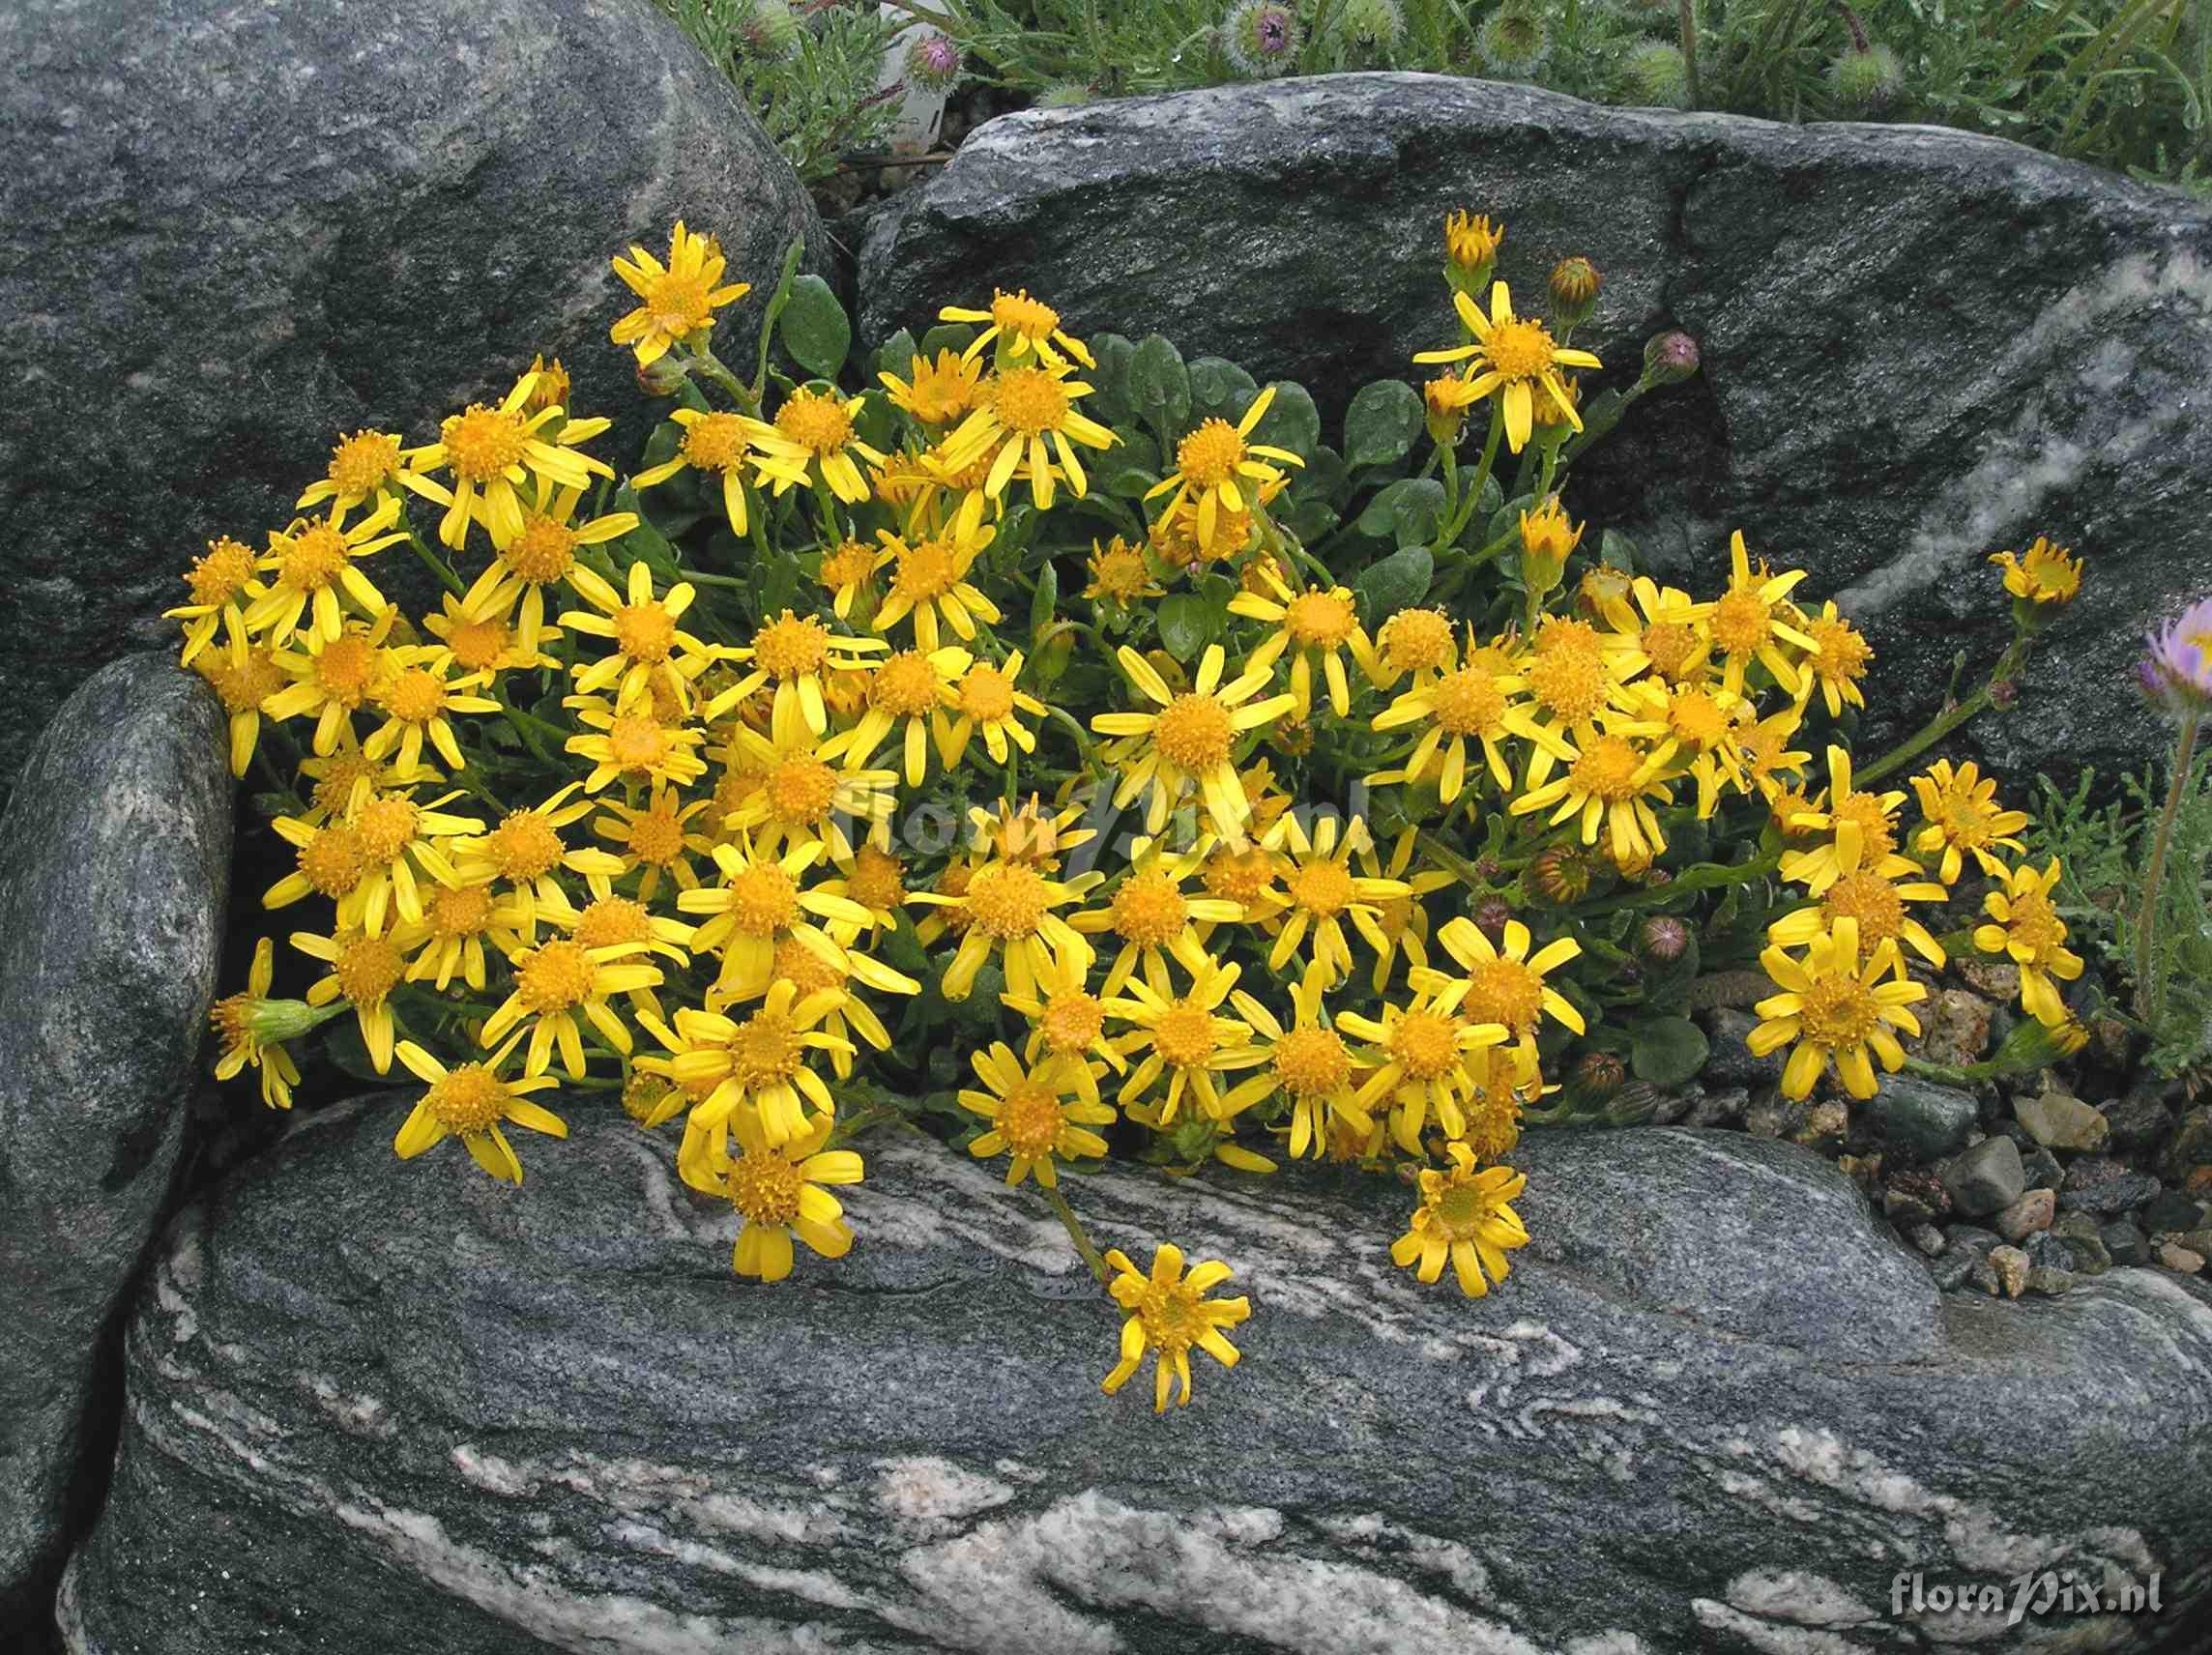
[{"x": 2178, "y": 672}]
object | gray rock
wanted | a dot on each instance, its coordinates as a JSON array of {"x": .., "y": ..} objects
[
  {"x": 2046, "y": 1250},
  {"x": 2079, "y": 1231},
  {"x": 1717, "y": 1106},
  {"x": 2106, "y": 1188},
  {"x": 2033, "y": 1212},
  {"x": 114, "y": 865},
  {"x": 2039, "y": 317},
  {"x": 1928, "y": 1240},
  {"x": 1986, "y": 1177},
  {"x": 2039, "y": 1168},
  {"x": 230, "y": 234},
  {"x": 2125, "y": 1243},
  {"x": 2172, "y": 1209},
  {"x": 1974, "y": 1236},
  {"x": 2192, "y": 1145},
  {"x": 1730, "y": 1062},
  {"x": 1917, "y": 1119},
  {"x": 2139, "y": 1122},
  {"x": 1954, "y": 1268},
  {"x": 2050, "y": 1280},
  {"x": 2058, "y": 1121},
  {"x": 407, "y": 1409}
]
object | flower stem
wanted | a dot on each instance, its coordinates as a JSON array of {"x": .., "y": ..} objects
[
  {"x": 2147, "y": 991},
  {"x": 1075, "y": 1234},
  {"x": 437, "y": 565},
  {"x": 1948, "y": 720}
]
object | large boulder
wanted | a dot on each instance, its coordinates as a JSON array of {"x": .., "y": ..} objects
[
  {"x": 1920, "y": 346},
  {"x": 230, "y": 232},
  {"x": 377, "y": 1406},
  {"x": 114, "y": 865}
]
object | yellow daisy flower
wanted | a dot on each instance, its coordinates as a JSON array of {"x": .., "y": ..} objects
[
  {"x": 418, "y": 702},
  {"x": 1308, "y": 1064},
  {"x": 1425, "y": 1055},
  {"x": 1029, "y": 834},
  {"x": 929, "y": 579},
  {"x": 1006, "y": 908},
  {"x": 1415, "y": 640},
  {"x": 1120, "y": 575},
  {"x": 1464, "y": 1218},
  {"x": 986, "y": 699},
  {"x": 1166, "y": 1313},
  {"x": 1067, "y": 1023},
  {"x": 470, "y": 1103},
  {"x": 1023, "y": 327},
  {"x": 542, "y": 553},
  {"x": 1314, "y": 623},
  {"x": 936, "y": 392},
  {"x": 659, "y": 838},
  {"x": 1512, "y": 355},
  {"x": 1838, "y": 1009},
  {"x": 675, "y": 300},
  {"x": 399, "y": 858},
  {"x": 1611, "y": 783},
  {"x": 1152, "y": 914},
  {"x": 1019, "y": 409},
  {"x": 1185, "y": 1037},
  {"x": 334, "y": 677},
  {"x": 876, "y": 880},
  {"x": 1507, "y": 984},
  {"x": 632, "y": 746},
  {"x": 761, "y": 900},
  {"x": 1750, "y": 620},
  {"x": 364, "y": 970},
  {"x": 1403, "y": 920},
  {"x": 1707, "y": 725},
  {"x": 1475, "y": 701},
  {"x": 330, "y": 862},
  {"x": 721, "y": 444},
  {"x": 1190, "y": 740},
  {"x": 2026, "y": 929},
  {"x": 756, "y": 1067},
  {"x": 1868, "y": 892},
  {"x": 2043, "y": 574},
  {"x": 1208, "y": 462},
  {"x": 1962, "y": 817},
  {"x": 492, "y": 451},
  {"x": 806, "y": 795},
  {"x": 457, "y": 919},
  {"x": 778, "y": 1190},
  {"x": 1837, "y": 662},
  {"x": 365, "y": 464},
  {"x": 311, "y": 563},
  {"x": 342, "y": 779},
  {"x": 815, "y": 439},
  {"x": 1853, "y": 822},
  {"x": 253, "y": 1029},
  {"x": 223, "y": 588},
  {"x": 847, "y": 573},
  {"x": 478, "y": 635},
  {"x": 1032, "y": 1120},
  {"x": 796, "y": 653},
  {"x": 1665, "y": 629},
  {"x": 809, "y": 973},
  {"x": 906, "y": 688},
  {"x": 554, "y": 981},
  {"x": 649, "y": 648},
  {"x": 527, "y": 852},
  {"x": 1321, "y": 892}
]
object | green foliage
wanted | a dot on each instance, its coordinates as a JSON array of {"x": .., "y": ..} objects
[
  {"x": 2105, "y": 846},
  {"x": 809, "y": 73}
]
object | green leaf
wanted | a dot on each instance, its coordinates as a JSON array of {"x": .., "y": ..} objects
[
  {"x": 1310, "y": 519},
  {"x": 895, "y": 355},
  {"x": 1130, "y": 483},
  {"x": 660, "y": 447},
  {"x": 1322, "y": 479},
  {"x": 1159, "y": 385},
  {"x": 1134, "y": 448},
  {"x": 1668, "y": 1051},
  {"x": 1046, "y": 604},
  {"x": 1292, "y": 421},
  {"x": 1381, "y": 424},
  {"x": 815, "y": 329},
  {"x": 1185, "y": 622},
  {"x": 1397, "y": 582},
  {"x": 1219, "y": 390},
  {"x": 953, "y": 336},
  {"x": 1109, "y": 402},
  {"x": 1616, "y": 550},
  {"x": 1407, "y": 511}
]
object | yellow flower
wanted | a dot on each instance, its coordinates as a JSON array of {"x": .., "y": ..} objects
[
  {"x": 762, "y": 900},
  {"x": 365, "y": 464},
  {"x": 725, "y": 443},
  {"x": 312, "y": 561},
  {"x": 929, "y": 580},
  {"x": 1029, "y": 834},
  {"x": 1838, "y": 659},
  {"x": 1006, "y": 908},
  {"x": 1017, "y": 410},
  {"x": 937, "y": 392},
  {"x": 1413, "y": 641},
  {"x": 804, "y": 796},
  {"x": 1446, "y": 401},
  {"x": 1574, "y": 672},
  {"x": 651, "y": 649},
  {"x": 1403, "y": 920},
  {"x": 1475, "y": 701},
  {"x": 253, "y": 1029},
  {"x": 470, "y": 1103},
  {"x": 1022, "y": 326},
  {"x": 1120, "y": 575},
  {"x": 1191, "y": 739},
  {"x": 751, "y": 1072},
  {"x": 1182, "y": 1036},
  {"x": 416, "y": 701},
  {"x": 1308, "y": 1064},
  {"x": 778, "y": 1190},
  {"x": 1512, "y": 355},
  {"x": 874, "y": 878},
  {"x": 1471, "y": 242},
  {"x": 1152, "y": 916},
  {"x": 336, "y": 677},
  {"x": 906, "y": 688},
  {"x": 1506, "y": 985},
  {"x": 1067, "y": 1023},
  {"x": 985, "y": 699},
  {"x": 1464, "y": 1218},
  {"x": 457, "y": 920},
  {"x": 1167, "y": 1313},
  {"x": 1428, "y": 1054},
  {"x": 1963, "y": 815},
  {"x": 2041, "y": 574},
  {"x": 1032, "y": 1120},
  {"x": 1611, "y": 782},
  {"x": 675, "y": 300},
  {"x": 1856, "y": 823},
  {"x": 477, "y": 633},
  {"x": 1313, "y": 623},
  {"x": 527, "y": 852},
  {"x": 223, "y": 588},
  {"x": 1707, "y": 725},
  {"x": 1208, "y": 462},
  {"x": 554, "y": 981},
  {"x": 1749, "y": 621},
  {"x": 633, "y": 745},
  {"x": 399, "y": 858},
  {"x": 847, "y": 573},
  {"x": 794, "y": 652},
  {"x": 1871, "y": 896},
  {"x": 2028, "y": 931},
  {"x": 364, "y": 969},
  {"x": 1837, "y": 1010},
  {"x": 1321, "y": 892},
  {"x": 809, "y": 973},
  {"x": 541, "y": 554},
  {"x": 1666, "y": 631},
  {"x": 492, "y": 452},
  {"x": 814, "y": 437},
  {"x": 1546, "y": 540}
]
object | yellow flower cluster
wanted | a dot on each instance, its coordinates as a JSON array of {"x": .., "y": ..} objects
[{"x": 606, "y": 817}]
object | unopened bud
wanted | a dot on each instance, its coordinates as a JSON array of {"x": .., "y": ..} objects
[
  {"x": 1866, "y": 78},
  {"x": 1574, "y": 286},
  {"x": 663, "y": 376},
  {"x": 1490, "y": 914},
  {"x": 1670, "y": 357},
  {"x": 933, "y": 63},
  {"x": 2004, "y": 693},
  {"x": 1601, "y": 1073},
  {"x": 1664, "y": 938},
  {"x": 1470, "y": 251},
  {"x": 1547, "y": 539}
]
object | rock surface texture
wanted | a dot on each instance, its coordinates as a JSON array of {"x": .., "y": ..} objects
[
  {"x": 114, "y": 858},
  {"x": 1919, "y": 345},
  {"x": 1712, "y": 1411},
  {"x": 231, "y": 232}
]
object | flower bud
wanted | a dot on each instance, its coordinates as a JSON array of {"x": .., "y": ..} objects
[
  {"x": 1600, "y": 1074},
  {"x": 1470, "y": 251},
  {"x": 1447, "y": 401},
  {"x": 933, "y": 63},
  {"x": 1514, "y": 43},
  {"x": 663, "y": 376},
  {"x": 1261, "y": 37},
  {"x": 1547, "y": 539},
  {"x": 1489, "y": 917},
  {"x": 1574, "y": 288},
  {"x": 2004, "y": 693},
  {"x": 1670, "y": 357},
  {"x": 1655, "y": 74},
  {"x": 1664, "y": 938},
  {"x": 1561, "y": 874},
  {"x": 1865, "y": 80},
  {"x": 272, "y": 1021}
]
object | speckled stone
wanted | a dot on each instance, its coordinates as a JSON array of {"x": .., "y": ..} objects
[
  {"x": 114, "y": 866},
  {"x": 232, "y": 229},
  {"x": 2012, "y": 1266},
  {"x": 1917, "y": 1119},
  {"x": 2058, "y": 1121},
  {"x": 2033, "y": 1212}
]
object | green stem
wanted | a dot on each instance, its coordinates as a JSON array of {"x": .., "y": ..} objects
[
  {"x": 1687, "y": 11},
  {"x": 1948, "y": 720},
  {"x": 1695, "y": 880},
  {"x": 437, "y": 565},
  {"x": 1075, "y": 1234},
  {"x": 2147, "y": 991}
]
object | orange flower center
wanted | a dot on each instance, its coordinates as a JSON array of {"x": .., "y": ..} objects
[
  {"x": 1505, "y": 991},
  {"x": 387, "y": 825},
  {"x": 469, "y": 1099},
  {"x": 1029, "y": 400},
  {"x": 312, "y": 558},
  {"x": 363, "y": 461},
  {"x": 347, "y": 668},
  {"x": 1072, "y": 1021},
  {"x": 482, "y": 443},
  {"x": 636, "y": 742},
  {"x": 655, "y": 836},
  {"x": 677, "y": 303},
  {"x": 544, "y": 552},
  {"x": 1469, "y": 702},
  {"x": 986, "y": 694},
  {"x": 1416, "y": 639},
  {"x": 1185, "y": 1036},
  {"x": 765, "y": 1050},
  {"x": 555, "y": 978},
  {"x": 763, "y": 1186},
  {"x": 1672, "y": 646},
  {"x": 1312, "y": 1062},
  {"x": 1194, "y": 734},
  {"x": 334, "y": 860},
  {"x": 1211, "y": 454},
  {"x": 820, "y": 424},
  {"x": 716, "y": 443},
  {"x": 1149, "y": 910},
  {"x": 1740, "y": 622},
  {"x": 1008, "y": 900},
  {"x": 877, "y": 881},
  {"x": 367, "y": 968},
  {"x": 221, "y": 575},
  {"x": 1425, "y": 1044},
  {"x": 764, "y": 900},
  {"x": 1321, "y": 620},
  {"x": 790, "y": 648},
  {"x": 1606, "y": 768},
  {"x": 613, "y": 920},
  {"x": 1519, "y": 349},
  {"x": 415, "y": 697},
  {"x": 645, "y": 632},
  {"x": 523, "y": 846},
  {"x": 459, "y": 910},
  {"x": 2034, "y": 923},
  {"x": 802, "y": 789},
  {"x": 1322, "y": 889},
  {"x": 1839, "y": 1011},
  {"x": 1871, "y": 900},
  {"x": 1029, "y": 1120}
]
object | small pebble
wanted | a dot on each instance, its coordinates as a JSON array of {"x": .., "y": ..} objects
[
  {"x": 2045, "y": 1279},
  {"x": 1955, "y": 1267},
  {"x": 2011, "y": 1267},
  {"x": 1715, "y": 1108},
  {"x": 2059, "y": 1121},
  {"x": 1929, "y": 1239},
  {"x": 1985, "y": 1179},
  {"x": 2175, "y": 1257},
  {"x": 2105, "y": 1187},
  {"x": 2173, "y": 1210},
  {"x": 2124, "y": 1244},
  {"x": 2033, "y": 1212},
  {"x": 2197, "y": 1241}
]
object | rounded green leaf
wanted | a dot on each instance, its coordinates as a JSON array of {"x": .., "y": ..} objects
[
  {"x": 1159, "y": 384},
  {"x": 1185, "y": 622},
  {"x": 1382, "y": 422},
  {"x": 1396, "y": 582},
  {"x": 814, "y": 329},
  {"x": 1219, "y": 388},
  {"x": 1292, "y": 421},
  {"x": 1668, "y": 1051}
]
